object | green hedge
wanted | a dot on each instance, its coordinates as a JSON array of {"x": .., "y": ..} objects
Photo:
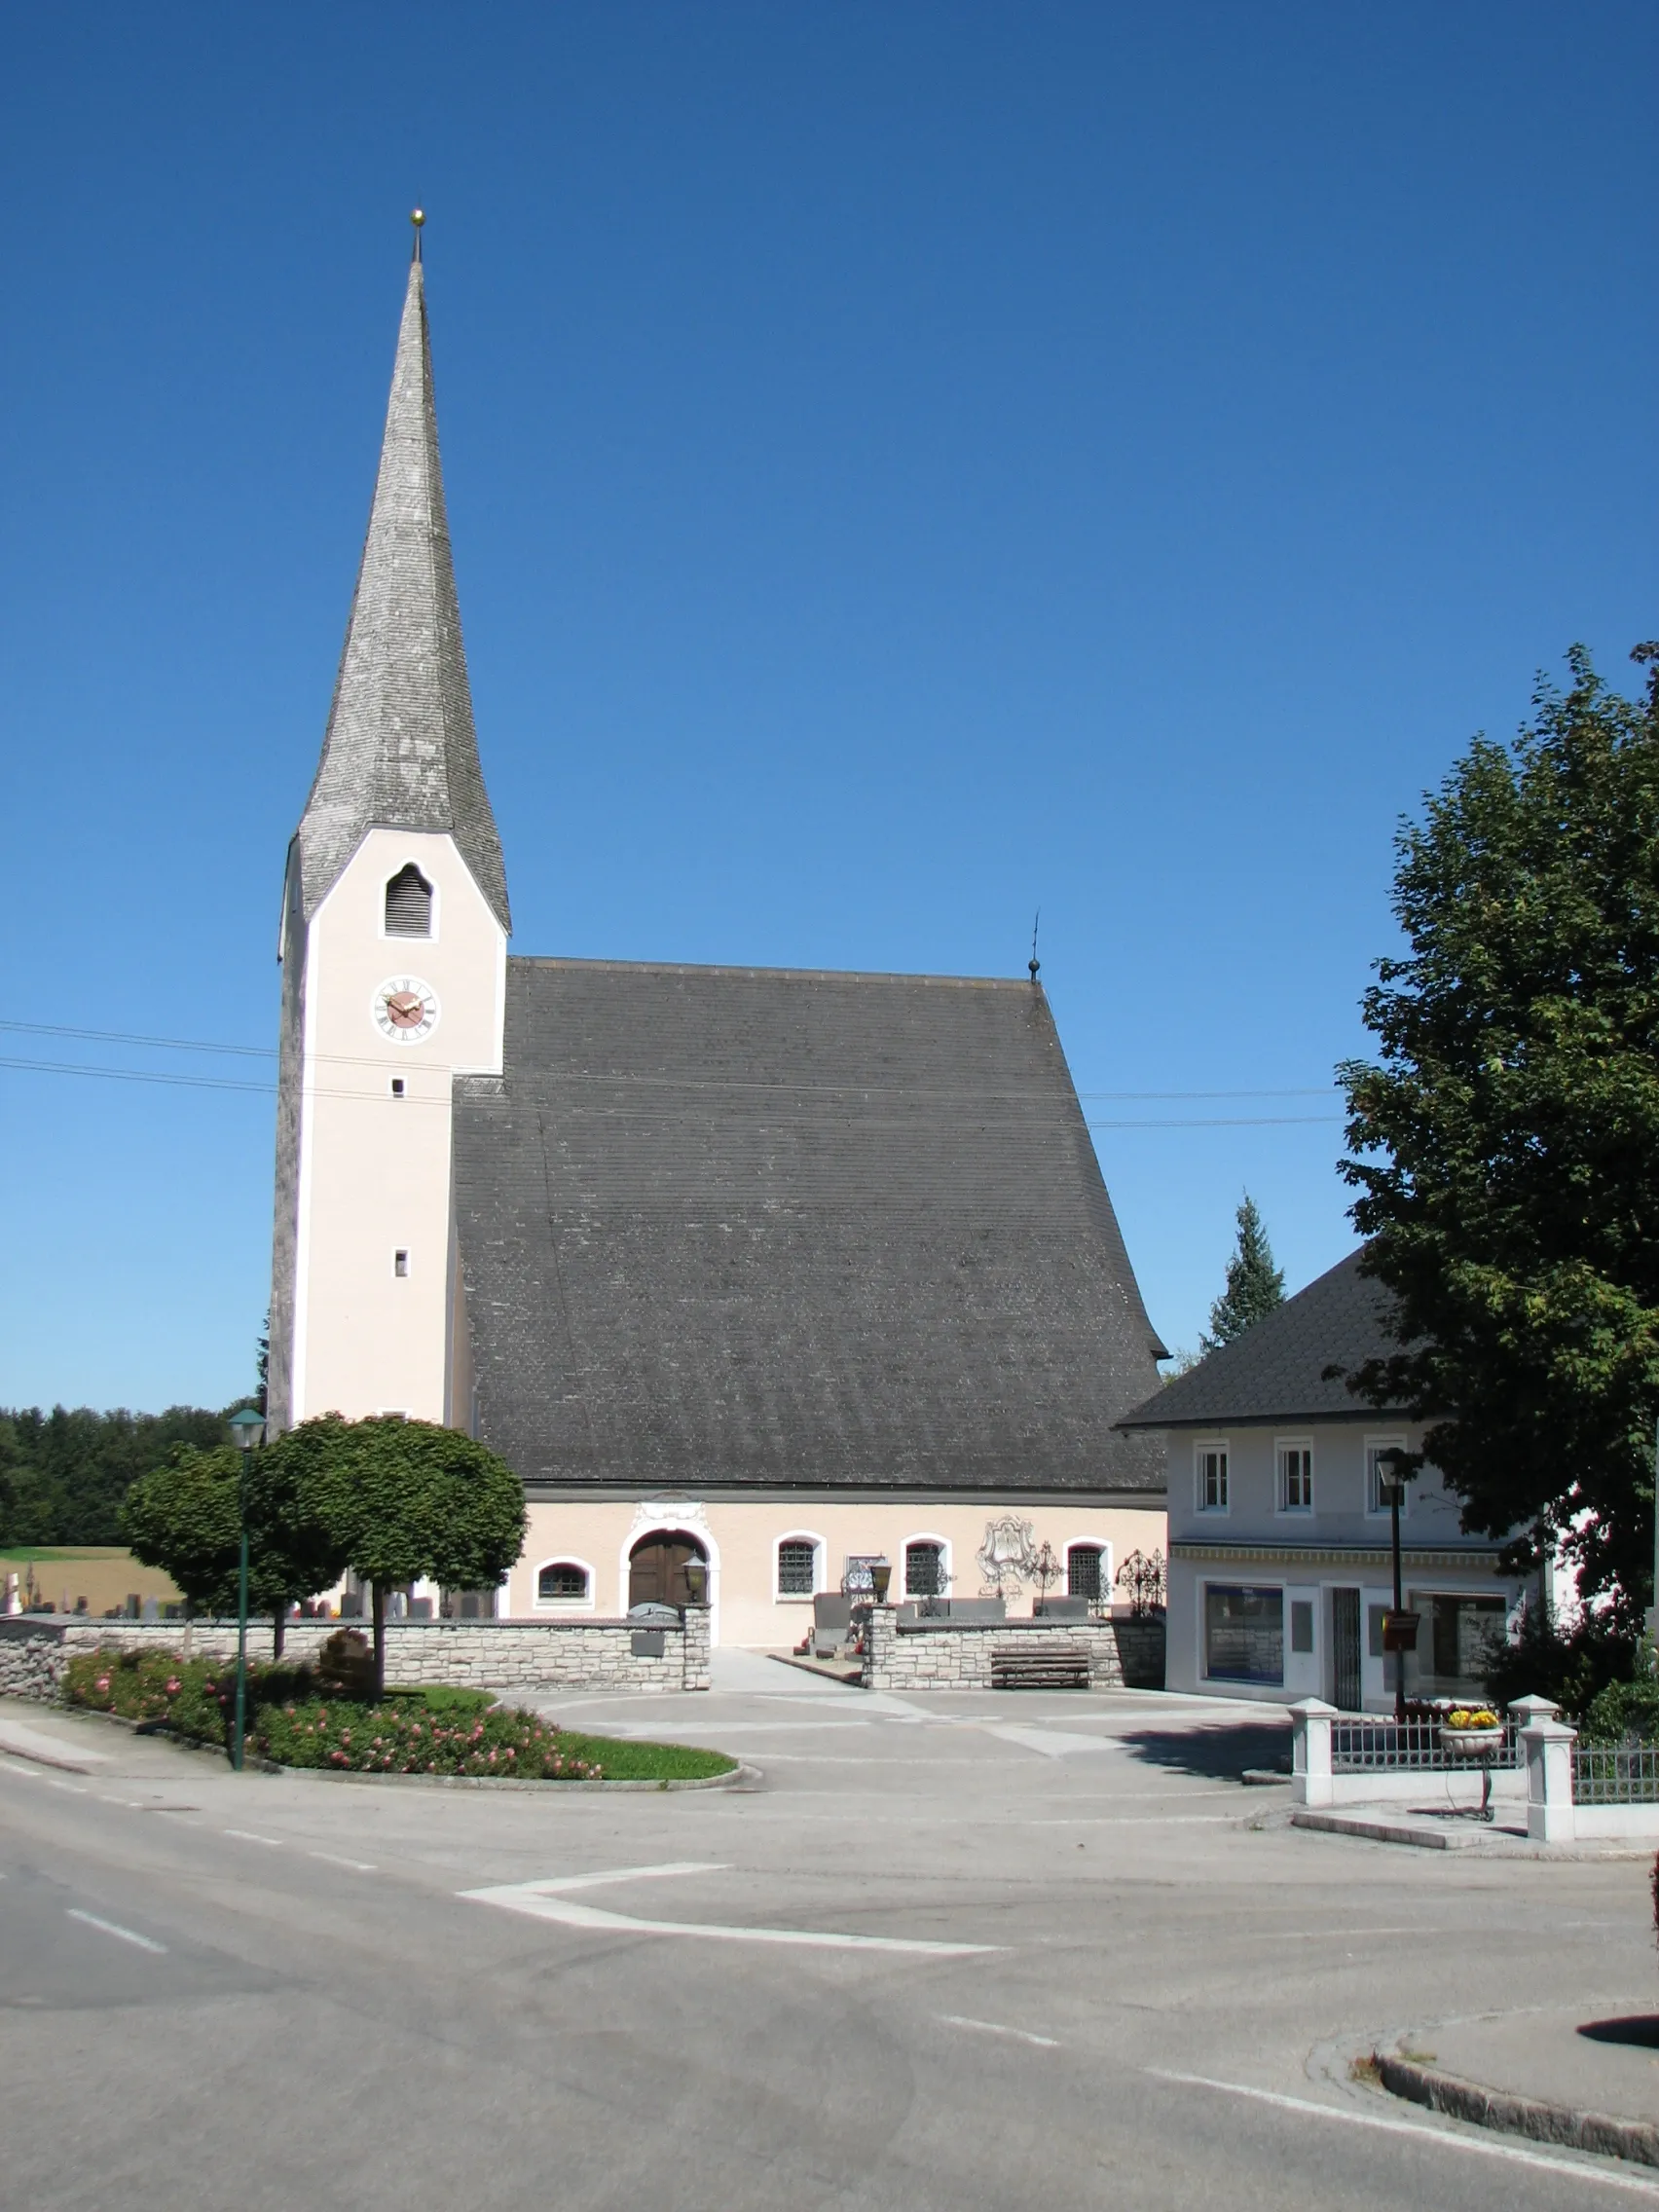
[{"x": 434, "y": 1731}]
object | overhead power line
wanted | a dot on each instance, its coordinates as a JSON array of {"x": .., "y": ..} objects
[{"x": 670, "y": 1082}]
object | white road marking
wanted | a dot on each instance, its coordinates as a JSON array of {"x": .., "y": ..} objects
[
  {"x": 545, "y": 1900},
  {"x": 75, "y": 1789},
  {"x": 246, "y": 1836},
  {"x": 563, "y": 1882},
  {"x": 1445, "y": 2136},
  {"x": 28, "y": 1773},
  {"x": 110, "y": 1928},
  {"x": 995, "y": 2028},
  {"x": 357, "y": 1866}
]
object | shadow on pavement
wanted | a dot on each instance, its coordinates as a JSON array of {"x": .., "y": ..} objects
[
  {"x": 1219, "y": 1751},
  {"x": 1641, "y": 2029}
]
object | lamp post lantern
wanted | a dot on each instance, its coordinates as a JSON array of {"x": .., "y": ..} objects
[{"x": 247, "y": 1432}]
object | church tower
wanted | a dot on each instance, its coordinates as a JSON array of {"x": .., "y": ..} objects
[{"x": 394, "y": 951}]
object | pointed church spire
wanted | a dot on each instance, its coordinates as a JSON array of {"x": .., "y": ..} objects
[{"x": 401, "y": 752}]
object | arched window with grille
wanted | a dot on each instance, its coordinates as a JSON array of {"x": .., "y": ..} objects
[
  {"x": 562, "y": 1581},
  {"x": 1085, "y": 1571},
  {"x": 409, "y": 903},
  {"x": 925, "y": 1574}
]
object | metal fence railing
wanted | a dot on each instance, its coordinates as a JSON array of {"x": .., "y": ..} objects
[
  {"x": 1407, "y": 1746},
  {"x": 1616, "y": 1774}
]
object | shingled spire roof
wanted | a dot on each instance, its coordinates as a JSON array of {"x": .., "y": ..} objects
[{"x": 401, "y": 752}]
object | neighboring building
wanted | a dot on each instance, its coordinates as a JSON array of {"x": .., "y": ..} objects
[
  {"x": 1281, "y": 1545},
  {"x": 780, "y": 1269}
]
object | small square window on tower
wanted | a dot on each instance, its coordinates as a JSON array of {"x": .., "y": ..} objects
[
  {"x": 397, "y": 1087},
  {"x": 400, "y": 1262}
]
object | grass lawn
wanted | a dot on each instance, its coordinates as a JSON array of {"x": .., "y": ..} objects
[{"x": 622, "y": 1762}]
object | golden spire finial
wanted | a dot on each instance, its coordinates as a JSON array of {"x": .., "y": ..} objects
[{"x": 418, "y": 216}]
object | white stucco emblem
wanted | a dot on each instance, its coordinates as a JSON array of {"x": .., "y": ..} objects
[
  {"x": 1008, "y": 1554},
  {"x": 668, "y": 1513}
]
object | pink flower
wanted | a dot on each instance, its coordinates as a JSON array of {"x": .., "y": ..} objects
[{"x": 174, "y": 1685}]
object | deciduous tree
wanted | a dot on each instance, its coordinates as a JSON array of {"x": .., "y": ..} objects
[{"x": 1505, "y": 1142}]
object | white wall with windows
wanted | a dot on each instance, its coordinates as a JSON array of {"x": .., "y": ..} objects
[{"x": 1280, "y": 1570}]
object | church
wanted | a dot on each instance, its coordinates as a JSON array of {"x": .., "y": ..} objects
[{"x": 781, "y": 1272}]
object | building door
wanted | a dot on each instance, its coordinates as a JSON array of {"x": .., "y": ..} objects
[
  {"x": 656, "y": 1569},
  {"x": 1345, "y": 1689}
]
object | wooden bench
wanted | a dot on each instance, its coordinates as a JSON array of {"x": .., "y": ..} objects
[{"x": 1041, "y": 1666}]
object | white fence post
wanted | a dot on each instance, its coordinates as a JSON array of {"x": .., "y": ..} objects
[
  {"x": 1310, "y": 1756},
  {"x": 1548, "y": 1745}
]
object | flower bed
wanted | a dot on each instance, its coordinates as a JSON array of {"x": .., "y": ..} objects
[{"x": 292, "y": 1722}]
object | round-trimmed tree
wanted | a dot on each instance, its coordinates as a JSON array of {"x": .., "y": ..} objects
[{"x": 408, "y": 1499}]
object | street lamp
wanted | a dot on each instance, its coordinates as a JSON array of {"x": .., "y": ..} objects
[
  {"x": 880, "y": 1575},
  {"x": 1399, "y": 1629},
  {"x": 696, "y": 1580},
  {"x": 247, "y": 1431}
]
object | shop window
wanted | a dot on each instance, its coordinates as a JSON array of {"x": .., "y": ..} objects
[{"x": 1243, "y": 1632}]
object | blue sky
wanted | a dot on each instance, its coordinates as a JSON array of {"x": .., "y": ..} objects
[{"x": 907, "y": 464}]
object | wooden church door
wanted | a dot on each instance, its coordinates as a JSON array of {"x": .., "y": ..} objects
[{"x": 656, "y": 1570}]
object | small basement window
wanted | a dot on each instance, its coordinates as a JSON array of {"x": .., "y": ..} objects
[
  {"x": 563, "y": 1580},
  {"x": 401, "y": 1262},
  {"x": 409, "y": 903}
]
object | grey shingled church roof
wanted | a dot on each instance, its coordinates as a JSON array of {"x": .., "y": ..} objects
[
  {"x": 747, "y": 1229},
  {"x": 1276, "y": 1370},
  {"x": 400, "y": 751}
]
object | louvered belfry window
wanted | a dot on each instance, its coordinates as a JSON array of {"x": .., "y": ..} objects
[{"x": 409, "y": 903}]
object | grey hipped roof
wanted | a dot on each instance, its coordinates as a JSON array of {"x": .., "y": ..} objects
[
  {"x": 1275, "y": 1371},
  {"x": 401, "y": 752},
  {"x": 731, "y": 1228}
]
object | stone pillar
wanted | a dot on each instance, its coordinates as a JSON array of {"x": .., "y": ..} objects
[
  {"x": 1547, "y": 1744},
  {"x": 1310, "y": 1760},
  {"x": 880, "y": 1633},
  {"x": 694, "y": 1648}
]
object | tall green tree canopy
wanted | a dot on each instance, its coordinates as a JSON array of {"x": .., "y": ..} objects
[
  {"x": 1505, "y": 1143},
  {"x": 186, "y": 1517},
  {"x": 407, "y": 1498},
  {"x": 1254, "y": 1285},
  {"x": 65, "y": 1473}
]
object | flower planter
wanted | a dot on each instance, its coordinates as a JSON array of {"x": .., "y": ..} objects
[{"x": 1471, "y": 1743}]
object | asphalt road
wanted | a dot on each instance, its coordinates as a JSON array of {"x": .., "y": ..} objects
[{"x": 949, "y": 1953}]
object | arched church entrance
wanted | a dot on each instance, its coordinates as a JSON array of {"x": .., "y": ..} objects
[{"x": 656, "y": 1567}]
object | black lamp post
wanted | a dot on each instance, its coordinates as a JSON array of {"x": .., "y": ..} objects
[
  {"x": 1392, "y": 1474},
  {"x": 247, "y": 1431}
]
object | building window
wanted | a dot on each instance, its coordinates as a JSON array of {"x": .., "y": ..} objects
[
  {"x": 924, "y": 1570},
  {"x": 1296, "y": 1478},
  {"x": 401, "y": 1262},
  {"x": 409, "y": 903},
  {"x": 397, "y": 1087},
  {"x": 1243, "y": 1633},
  {"x": 1082, "y": 1572},
  {"x": 1301, "y": 1625},
  {"x": 563, "y": 1580},
  {"x": 1212, "y": 1478},
  {"x": 1456, "y": 1642},
  {"x": 1375, "y": 1496},
  {"x": 797, "y": 1567}
]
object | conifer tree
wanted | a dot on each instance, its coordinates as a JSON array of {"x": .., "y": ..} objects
[{"x": 1254, "y": 1285}]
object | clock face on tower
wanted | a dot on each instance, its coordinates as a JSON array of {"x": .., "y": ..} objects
[{"x": 405, "y": 1010}]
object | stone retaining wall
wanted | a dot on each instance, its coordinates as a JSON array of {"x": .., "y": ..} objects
[
  {"x": 506, "y": 1655},
  {"x": 958, "y": 1655}
]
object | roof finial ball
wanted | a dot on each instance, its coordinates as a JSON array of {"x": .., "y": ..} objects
[{"x": 418, "y": 216}]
